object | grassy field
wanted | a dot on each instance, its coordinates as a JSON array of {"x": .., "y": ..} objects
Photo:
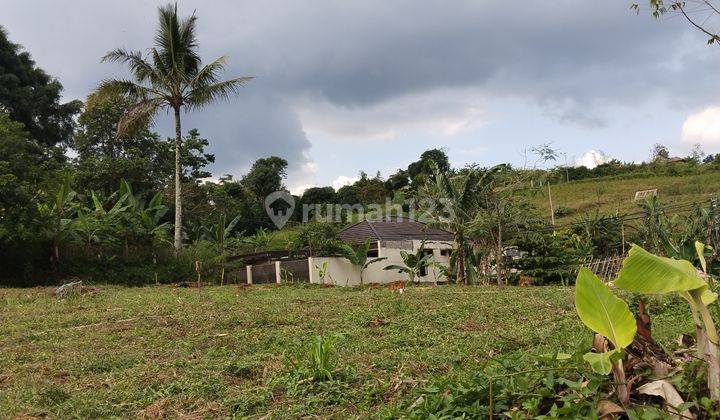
[
  {"x": 609, "y": 195},
  {"x": 165, "y": 352}
]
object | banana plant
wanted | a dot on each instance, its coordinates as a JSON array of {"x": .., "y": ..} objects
[
  {"x": 643, "y": 272},
  {"x": 358, "y": 256},
  {"x": 119, "y": 219},
  {"x": 150, "y": 217},
  {"x": 149, "y": 214},
  {"x": 260, "y": 239},
  {"x": 193, "y": 232},
  {"x": 218, "y": 233},
  {"x": 323, "y": 272},
  {"x": 89, "y": 229},
  {"x": 413, "y": 263},
  {"x": 609, "y": 316},
  {"x": 60, "y": 212},
  {"x": 446, "y": 271}
]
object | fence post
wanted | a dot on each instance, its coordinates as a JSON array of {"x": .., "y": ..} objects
[
  {"x": 277, "y": 272},
  {"x": 248, "y": 270},
  {"x": 310, "y": 269}
]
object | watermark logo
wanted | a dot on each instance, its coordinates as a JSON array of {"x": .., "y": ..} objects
[{"x": 280, "y": 205}]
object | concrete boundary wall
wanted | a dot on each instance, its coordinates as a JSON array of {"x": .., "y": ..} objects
[
  {"x": 342, "y": 273},
  {"x": 277, "y": 272}
]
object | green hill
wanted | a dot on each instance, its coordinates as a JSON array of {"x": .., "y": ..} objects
[{"x": 574, "y": 199}]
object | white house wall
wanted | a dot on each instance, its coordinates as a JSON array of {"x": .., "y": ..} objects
[{"x": 342, "y": 273}]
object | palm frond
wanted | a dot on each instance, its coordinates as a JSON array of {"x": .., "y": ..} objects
[
  {"x": 189, "y": 45},
  {"x": 166, "y": 37},
  {"x": 399, "y": 268},
  {"x": 203, "y": 95},
  {"x": 139, "y": 115},
  {"x": 110, "y": 88},
  {"x": 176, "y": 42},
  {"x": 209, "y": 74},
  {"x": 141, "y": 69},
  {"x": 160, "y": 65}
]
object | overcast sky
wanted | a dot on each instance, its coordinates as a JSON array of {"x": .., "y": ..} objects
[{"x": 344, "y": 86}]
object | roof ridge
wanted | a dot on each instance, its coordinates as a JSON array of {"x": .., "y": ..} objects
[
  {"x": 355, "y": 224},
  {"x": 374, "y": 230}
]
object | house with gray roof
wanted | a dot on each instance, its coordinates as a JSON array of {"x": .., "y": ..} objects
[{"x": 388, "y": 237}]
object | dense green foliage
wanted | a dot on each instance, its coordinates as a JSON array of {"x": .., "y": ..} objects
[
  {"x": 63, "y": 217},
  {"x": 32, "y": 97}
]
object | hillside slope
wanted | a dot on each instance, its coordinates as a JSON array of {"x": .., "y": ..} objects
[{"x": 574, "y": 199}]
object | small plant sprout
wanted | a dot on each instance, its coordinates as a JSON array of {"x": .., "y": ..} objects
[
  {"x": 287, "y": 276},
  {"x": 323, "y": 272},
  {"x": 321, "y": 362}
]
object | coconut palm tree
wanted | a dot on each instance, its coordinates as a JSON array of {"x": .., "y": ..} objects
[
  {"x": 457, "y": 200},
  {"x": 169, "y": 78}
]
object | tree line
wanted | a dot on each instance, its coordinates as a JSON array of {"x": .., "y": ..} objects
[{"x": 90, "y": 189}]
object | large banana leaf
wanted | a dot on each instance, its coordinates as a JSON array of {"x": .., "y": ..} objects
[
  {"x": 700, "y": 250},
  {"x": 230, "y": 226},
  {"x": 644, "y": 272},
  {"x": 603, "y": 312},
  {"x": 399, "y": 268}
]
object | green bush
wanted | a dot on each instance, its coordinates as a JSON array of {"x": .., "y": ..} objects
[{"x": 562, "y": 211}]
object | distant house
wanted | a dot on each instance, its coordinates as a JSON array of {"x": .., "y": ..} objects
[{"x": 388, "y": 236}]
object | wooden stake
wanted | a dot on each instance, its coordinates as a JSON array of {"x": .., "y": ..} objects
[
  {"x": 198, "y": 267},
  {"x": 552, "y": 211}
]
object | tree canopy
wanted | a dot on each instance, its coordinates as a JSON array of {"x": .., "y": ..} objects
[
  {"x": 32, "y": 97},
  {"x": 266, "y": 176}
]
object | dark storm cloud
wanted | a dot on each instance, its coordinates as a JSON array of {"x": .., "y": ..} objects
[
  {"x": 257, "y": 125},
  {"x": 547, "y": 51},
  {"x": 574, "y": 58}
]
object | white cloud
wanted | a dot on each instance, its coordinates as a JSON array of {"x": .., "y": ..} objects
[
  {"x": 592, "y": 158},
  {"x": 303, "y": 178},
  {"x": 443, "y": 112},
  {"x": 299, "y": 189},
  {"x": 343, "y": 180},
  {"x": 703, "y": 128}
]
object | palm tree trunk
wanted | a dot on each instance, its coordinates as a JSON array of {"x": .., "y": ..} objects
[
  {"x": 461, "y": 277},
  {"x": 55, "y": 257},
  {"x": 178, "y": 184},
  {"x": 499, "y": 254}
]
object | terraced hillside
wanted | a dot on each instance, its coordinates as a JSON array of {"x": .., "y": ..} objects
[{"x": 572, "y": 200}]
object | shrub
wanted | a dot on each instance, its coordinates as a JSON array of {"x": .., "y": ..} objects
[
  {"x": 562, "y": 211},
  {"x": 320, "y": 238}
]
